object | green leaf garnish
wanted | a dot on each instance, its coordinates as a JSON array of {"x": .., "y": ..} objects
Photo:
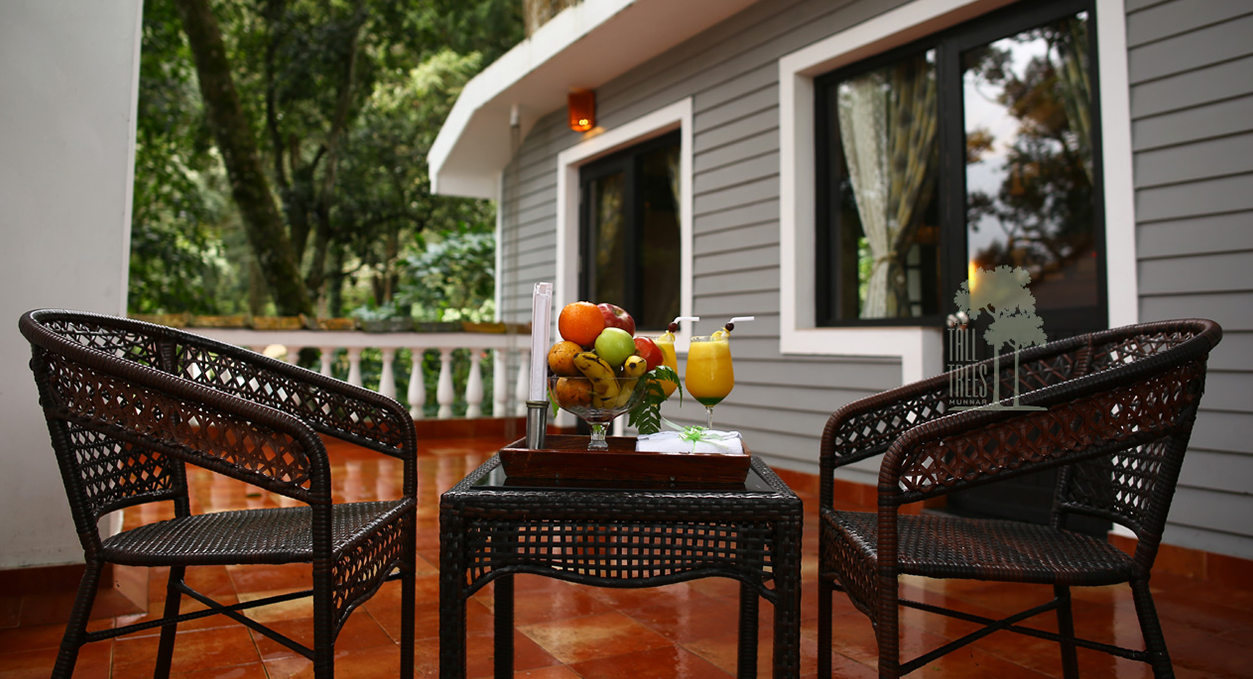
[{"x": 645, "y": 415}]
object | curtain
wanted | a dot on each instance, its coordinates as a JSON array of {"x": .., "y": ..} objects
[
  {"x": 1074, "y": 84},
  {"x": 609, "y": 225},
  {"x": 672, "y": 168},
  {"x": 888, "y": 120}
]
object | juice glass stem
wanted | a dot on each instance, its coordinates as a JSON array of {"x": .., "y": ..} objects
[{"x": 709, "y": 417}]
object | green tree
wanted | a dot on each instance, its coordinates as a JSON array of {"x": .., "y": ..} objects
[{"x": 305, "y": 102}]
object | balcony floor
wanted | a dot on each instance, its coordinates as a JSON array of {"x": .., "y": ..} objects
[{"x": 565, "y": 630}]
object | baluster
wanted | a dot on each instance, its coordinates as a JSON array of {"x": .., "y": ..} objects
[
  {"x": 387, "y": 377},
  {"x": 521, "y": 389},
  {"x": 328, "y": 355},
  {"x": 354, "y": 366},
  {"x": 500, "y": 383},
  {"x": 293, "y": 355},
  {"x": 474, "y": 384},
  {"x": 444, "y": 393},
  {"x": 417, "y": 383}
]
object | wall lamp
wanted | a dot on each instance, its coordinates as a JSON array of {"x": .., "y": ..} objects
[{"x": 581, "y": 105}]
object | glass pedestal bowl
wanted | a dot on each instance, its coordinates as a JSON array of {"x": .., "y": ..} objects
[{"x": 596, "y": 402}]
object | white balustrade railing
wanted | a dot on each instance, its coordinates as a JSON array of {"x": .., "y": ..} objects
[{"x": 512, "y": 354}]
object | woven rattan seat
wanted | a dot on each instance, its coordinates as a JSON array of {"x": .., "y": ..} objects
[
  {"x": 1111, "y": 411},
  {"x": 128, "y": 404},
  {"x": 256, "y": 536},
  {"x": 987, "y": 549}
]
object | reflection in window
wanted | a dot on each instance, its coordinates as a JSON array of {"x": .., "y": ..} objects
[
  {"x": 1005, "y": 105},
  {"x": 1030, "y": 198},
  {"x": 631, "y": 237}
]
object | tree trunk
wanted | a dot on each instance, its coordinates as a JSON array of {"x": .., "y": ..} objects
[
  {"x": 249, "y": 187},
  {"x": 316, "y": 276}
]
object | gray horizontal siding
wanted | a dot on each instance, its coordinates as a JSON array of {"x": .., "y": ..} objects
[
  {"x": 1191, "y": 74},
  {"x": 1215, "y": 120},
  {"x": 1195, "y": 235},
  {"x": 1191, "y": 71}
]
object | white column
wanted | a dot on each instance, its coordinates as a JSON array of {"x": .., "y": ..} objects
[
  {"x": 354, "y": 365},
  {"x": 474, "y": 384},
  {"x": 293, "y": 354},
  {"x": 417, "y": 383},
  {"x": 387, "y": 377},
  {"x": 500, "y": 382},
  {"x": 328, "y": 355},
  {"x": 444, "y": 393},
  {"x": 521, "y": 389}
]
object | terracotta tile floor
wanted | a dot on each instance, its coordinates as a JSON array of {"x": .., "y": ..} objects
[{"x": 564, "y": 630}]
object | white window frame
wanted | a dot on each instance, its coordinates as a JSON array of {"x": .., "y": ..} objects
[
  {"x": 920, "y": 348},
  {"x": 599, "y": 143}
]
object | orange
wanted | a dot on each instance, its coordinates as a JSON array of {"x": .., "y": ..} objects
[{"x": 581, "y": 323}]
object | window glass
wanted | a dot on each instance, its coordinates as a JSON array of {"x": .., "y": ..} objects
[
  {"x": 631, "y": 231},
  {"x": 968, "y": 150},
  {"x": 1029, "y": 184}
]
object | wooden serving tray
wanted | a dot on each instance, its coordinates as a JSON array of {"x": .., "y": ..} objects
[{"x": 567, "y": 457}]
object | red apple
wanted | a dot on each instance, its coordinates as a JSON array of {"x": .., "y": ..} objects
[
  {"x": 649, "y": 351},
  {"x": 617, "y": 317}
]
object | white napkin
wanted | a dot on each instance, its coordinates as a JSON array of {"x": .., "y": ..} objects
[{"x": 725, "y": 442}]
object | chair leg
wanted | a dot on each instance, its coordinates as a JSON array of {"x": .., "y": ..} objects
[
  {"x": 1151, "y": 628},
  {"x": 76, "y": 628},
  {"x": 324, "y": 624},
  {"x": 887, "y": 629},
  {"x": 746, "y": 655},
  {"x": 824, "y": 628},
  {"x": 408, "y": 600},
  {"x": 173, "y": 601},
  {"x": 1066, "y": 627}
]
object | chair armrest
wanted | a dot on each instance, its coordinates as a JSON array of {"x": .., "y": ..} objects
[
  {"x": 328, "y": 405},
  {"x": 867, "y": 427},
  {"x": 194, "y": 423},
  {"x": 1080, "y": 419}
]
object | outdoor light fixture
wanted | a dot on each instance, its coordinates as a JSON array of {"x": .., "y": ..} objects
[{"x": 582, "y": 107}]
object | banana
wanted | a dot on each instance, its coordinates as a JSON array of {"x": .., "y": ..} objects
[
  {"x": 635, "y": 366},
  {"x": 633, "y": 369},
  {"x": 595, "y": 369}
]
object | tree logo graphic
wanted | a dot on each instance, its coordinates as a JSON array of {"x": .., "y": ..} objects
[{"x": 1001, "y": 294}]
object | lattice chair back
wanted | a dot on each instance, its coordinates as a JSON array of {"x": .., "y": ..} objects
[
  {"x": 121, "y": 441},
  {"x": 1147, "y": 422},
  {"x": 1116, "y": 412},
  {"x": 88, "y": 407}
]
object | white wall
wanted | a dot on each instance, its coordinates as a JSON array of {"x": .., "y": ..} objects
[{"x": 68, "y": 74}]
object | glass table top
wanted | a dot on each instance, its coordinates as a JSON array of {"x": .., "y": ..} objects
[{"x": 497, "y": 479}]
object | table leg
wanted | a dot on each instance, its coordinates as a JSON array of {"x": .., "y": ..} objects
[
  {"x": 503, "y": 630},
  {"x": 452, "y": 622},
  {"x": 746, "y": 663},
  {"x": 452, "y": 596},
  {"x": 787, "y": 605}
]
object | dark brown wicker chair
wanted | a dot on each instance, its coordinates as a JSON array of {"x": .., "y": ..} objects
[
  {"x": 1117, "y": 411},
  {"x": 128, "y": 404}
]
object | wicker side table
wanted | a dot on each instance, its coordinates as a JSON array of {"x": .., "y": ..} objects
[{"x": 620, "y": 537}]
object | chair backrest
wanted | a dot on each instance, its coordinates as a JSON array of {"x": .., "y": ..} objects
[
  {"x": 128, "y": 402},
  {"x": 1115, "y": 412}
]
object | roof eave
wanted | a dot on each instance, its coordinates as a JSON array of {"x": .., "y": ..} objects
[{"x": 584, "y": 46}]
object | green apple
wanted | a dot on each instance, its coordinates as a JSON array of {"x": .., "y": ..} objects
[{"x": 614, "y": 345}]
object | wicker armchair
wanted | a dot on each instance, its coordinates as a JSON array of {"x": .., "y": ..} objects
[
  {"x": 128, "y": 404},
  {"x": 1117, "y": 409}
]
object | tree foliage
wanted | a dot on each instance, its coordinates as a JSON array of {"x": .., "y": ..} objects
[{"x": 341, "y": 101}]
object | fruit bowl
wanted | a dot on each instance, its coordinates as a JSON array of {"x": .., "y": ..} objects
[{"x": 596, "y": 402}]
